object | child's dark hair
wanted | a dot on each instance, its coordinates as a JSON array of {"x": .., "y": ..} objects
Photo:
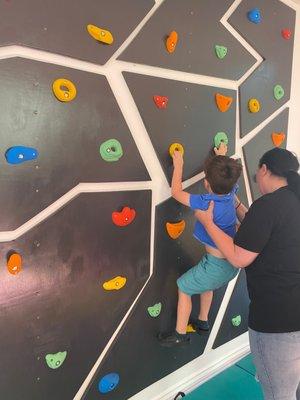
[
  {"x": 283, "y": 163},
  {"x": 222, "y": 173}
]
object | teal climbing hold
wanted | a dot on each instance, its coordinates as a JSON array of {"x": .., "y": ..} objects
[
  {"x": 236, "y": 321},
  {"x": 221, "y": 51},
  {"x": 20, "y": 154},
  {"x": 55, "y": 361},
  {"x": 111, "y": 150},
  {"x": 220, "y": 137},
  {"x": 155, "y": 310},
  {"x": 278, "y": 92}
]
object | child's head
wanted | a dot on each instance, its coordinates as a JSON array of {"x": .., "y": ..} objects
[{"x": 221, "y": 174}]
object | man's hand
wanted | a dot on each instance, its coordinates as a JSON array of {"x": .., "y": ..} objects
[
  {"x": 222, "y": 150},
  {"x": 205, "y": 217},
  {"x": 177, "y": 159}
]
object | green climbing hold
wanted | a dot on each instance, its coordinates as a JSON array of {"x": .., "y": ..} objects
[
  {"x": 278, "y": 92},
  {"x": 55, "y": 361},
  {"x": 155, "y": 310},
  {"x": 111, "y": 150},
  {"x": 220, "y": 137},
  {"x": 221, "y": 51},
  {"x": 236, "y": 321}
]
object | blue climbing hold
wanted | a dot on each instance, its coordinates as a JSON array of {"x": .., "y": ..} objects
[
  {"x": 20, "y": 154},
  {"x": 254, "y": 16},
  {"x": 108, "y": 382}
]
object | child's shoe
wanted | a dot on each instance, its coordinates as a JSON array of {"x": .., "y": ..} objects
[
  {"x": 174, "y": 338},
  {"x": 200, "y": 326}
]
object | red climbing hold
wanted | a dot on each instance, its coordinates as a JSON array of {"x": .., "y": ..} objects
[
  {"x": 123, "y": 218},
  {"x": 161, "y": 101},
  {"x": 286, "y": 34}
]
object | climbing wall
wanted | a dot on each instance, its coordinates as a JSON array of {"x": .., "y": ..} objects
[{"x": 92, "y": 97}]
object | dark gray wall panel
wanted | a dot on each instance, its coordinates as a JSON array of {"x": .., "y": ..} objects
[
  {"x": 261, "y": 143},
  {"x": 199, "y": 29},
  {"x": 67, "y": 136},
  {"x": 57, "y": 302},
  {"x": 60, "y": 27},
  {"x": 136, "y": 354},
  {"x": 277, "y": 53},
  {"x": 191, "y": 118}
]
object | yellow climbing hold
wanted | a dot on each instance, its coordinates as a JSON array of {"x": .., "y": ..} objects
[
  {"x": 176, "y": 229},
  {"x": 190, "y": 329},
  {"x": 176, "y": 147},
  {"x": 64, "y": 90},
  {"x": 254, "y": 105},
  {"x": 102, "y": 35},
  {"x": 115, "y": 284}
]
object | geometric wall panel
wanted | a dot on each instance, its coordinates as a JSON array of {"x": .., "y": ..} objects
[
  {"x": 261, "y": 143},
  {"x": 57, "y": 302},
  {"x": 66, "y": 135},
  {"x": 60, "y": 27},
  {"x": 191, "y": 118},
  {"x": 277, "y": 53},
  {"x": 199, "y": 30}
]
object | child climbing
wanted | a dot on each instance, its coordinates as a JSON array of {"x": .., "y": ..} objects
[{"x": 213, "y": 270}]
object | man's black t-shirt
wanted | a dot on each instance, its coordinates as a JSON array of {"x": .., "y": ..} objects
[{"x": 271, "y": 228}]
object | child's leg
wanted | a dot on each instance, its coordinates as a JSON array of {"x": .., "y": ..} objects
[
  {"x": 205, "y": 304},
  {"x": 184, "y": 308}
]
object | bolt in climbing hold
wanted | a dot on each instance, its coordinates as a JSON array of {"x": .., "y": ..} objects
[
  {"x": 236, "y": 321},
  {"x": 278, "y": 138},
  {"x": 254, "y": 16},
  {"x": 221, "y": 51},
  {"x": 254, "y": 105},
  {"x": 286, "y": 34},
  {"x": 161, "y": 101},
  {"x": 64, "y": 90},
  {"x": 101, "y": 35},
  {"x": 278, "y": 92},
  {"x": 220, "y": 137},
  {"x": 115, "y": 284},
  {"x": 176, "y": 147},
  {"x": 111, "y": 150},
  {"x": 223, "y": 102},
  {"x": 55, "y": 361},
  {"x": 20, "y": 154},
  {"x": 124, "y": 217},
  {"x": 171, "y": 41},
  {"x": 155, "y": 310},
  {"x": 175, "y": 229},
  {"x": 14, "y": 263},
  {"x": 108, "y": 382}
]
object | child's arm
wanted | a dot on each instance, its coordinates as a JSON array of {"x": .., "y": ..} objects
[
  {"x": 241, "y": 209},
  {"x": 177, "y": 192}
]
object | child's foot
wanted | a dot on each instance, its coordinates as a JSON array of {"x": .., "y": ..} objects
[
  {"x": 199, "y": 325},
  {"x": 174, "y": 338}
]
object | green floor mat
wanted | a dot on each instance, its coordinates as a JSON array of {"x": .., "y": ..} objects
[{"x": 246, "y": 363}]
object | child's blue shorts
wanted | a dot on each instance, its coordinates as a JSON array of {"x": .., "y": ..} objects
[{"x": 209, "y": 274}]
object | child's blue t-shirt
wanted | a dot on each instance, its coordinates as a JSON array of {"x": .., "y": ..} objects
[{"x": 224, "y": 214}]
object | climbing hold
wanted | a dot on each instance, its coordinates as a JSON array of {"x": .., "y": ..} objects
[
  {"x": 254, "y": 105},
  {"x": 278, "y": 92},
  {"x": 286, "y": 34},
  {"x": 108, "y": 382},
  {"x": 254, "y": 16},
  {"x": 175, "y": 229},
  {"x": 221, "y": 51},
  {"x": 223, "y": 102},
  {"x": 20, "y": 154},
  {"x": 124, "y": 217},
  {"x": 155, "y": 310},
  {"x": 111, "y": 150},
  {"x": 115, "y": 284},
  {"x": 64, "y": 90},
  {"x": 55, "y": 361},
  {"x": 102, "y": 35},
  {"x": 14, "y": 263},
  {"x": 220, "y": 137},
  {"x": 176, "y": 147},
  {"x": 278, "y": 138},
  {"x": 190, "y": 329},
  {"x": 161, "y": 101},
  {"x": 172, "y": 41},
  {"x": 236, "y": 321}
]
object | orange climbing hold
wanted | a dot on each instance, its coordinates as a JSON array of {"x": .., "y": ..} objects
[
  {"x": 176, "y": 229},
  {"x": 14, "y": 263},
  {"x": 223, "y": 102},
  {"x": 278, "y": 138},
  {"x": 172, "y": 41}
]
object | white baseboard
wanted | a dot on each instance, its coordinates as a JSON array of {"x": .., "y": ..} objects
[{"x": 198, "y": 371}]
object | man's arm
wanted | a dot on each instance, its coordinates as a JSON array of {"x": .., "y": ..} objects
[{"x": 177, "y": 192}]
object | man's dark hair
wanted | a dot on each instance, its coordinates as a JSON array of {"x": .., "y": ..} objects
[{"x": 222, "y": 173}]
